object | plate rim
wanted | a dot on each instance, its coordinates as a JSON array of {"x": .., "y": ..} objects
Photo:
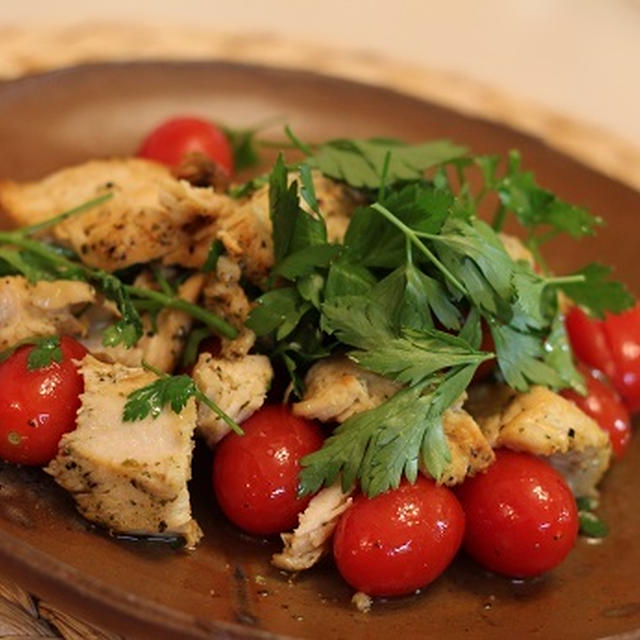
[
  {"x": 16, "y": 554},
  {"x": 24, "y": 82}
]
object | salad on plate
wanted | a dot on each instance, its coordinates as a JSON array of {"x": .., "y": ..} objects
[{"x": 384, "y": 374}]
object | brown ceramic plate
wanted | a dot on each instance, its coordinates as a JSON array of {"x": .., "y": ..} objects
[{"x": 227, "y": 588}]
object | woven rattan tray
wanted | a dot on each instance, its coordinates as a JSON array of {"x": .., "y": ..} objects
[{"x": 26, "y": 52}]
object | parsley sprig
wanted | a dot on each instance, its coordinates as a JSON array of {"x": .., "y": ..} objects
[
  {"x": 405, "y": 294},
  {"x": 46, "y": 350},
  {"x": 174, "y": 391}
]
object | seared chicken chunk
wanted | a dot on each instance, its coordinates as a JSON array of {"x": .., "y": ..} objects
[
  {"x": 337, "y": 388},
  {"x": 150, "y": 216},
  {"x": 244, "y": 227},
  {"x": 309, "y": 541},
  {"x": 470, "y": 451},
  {"x": 545, "y": 424},
  {"x": 129, "y": 228},
  {"x": 130, "y": 477},
  {"x": 224, "y": 295},
  {"x": 40, "y": 309},
  {"x": 154, "y": 216},
  {"x": 238, "y": 386},
  {"x": 163, "y": 340}
]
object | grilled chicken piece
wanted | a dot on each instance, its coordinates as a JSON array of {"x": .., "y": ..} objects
[
  {"x": 337, "y": 388},
  {"x": 40, "y": 309},
  {"x": 545, "y": 424},
  {"x": 152, "y": 216},
  {"x": 162, "y": 342},
  {"x": 309, "y": 541},
  {"x": 129, "y": 477},
  {"x": 470, "y": 451},
  {"x": 244, "y": 227},
  {"x": 238, "y": 386},
  {"x": 224, "y": 295},
  {"x": 129, "y": 228}
]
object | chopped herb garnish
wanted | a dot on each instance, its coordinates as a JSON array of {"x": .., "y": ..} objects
[
  {"x": 597, "y": 292},
  {"x": 591, "y": 525},
  {"x": 416, "y": 258},
  {"x": 363, "y": 163},
  {"x": 190, "y": 353},
  {"x": 174, "y": 391},
  {"x": 46, "y": 350},
  {"x": 243, "y": 147},
  {"x": 215, "y": 251},
  {"x": 38, "y": 260}
]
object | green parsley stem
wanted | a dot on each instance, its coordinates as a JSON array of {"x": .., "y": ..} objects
[
  {"x": 414, "y": 237},
  {"x": 545, "y": 237},
  {"x": 499, "y": 217},
  {"x": 190, "y": 351},
  {"x": 383, "y": 177},
  {"x": 150, "y": 367},
  {"x": 201, "y": 397},
  {"x": 51, "y": 222},
  {"x": 214, "y": 322},
  {"x": 12, "y": 258},
  {"x": 305, "y": 148},
  {"x": 573, "y": 279},
  {"x": 534, "y": 246},
  {"x": 17, "y": 239},
  {"x": 219, "y": 412},
  {"x": 163, "y": 283}
]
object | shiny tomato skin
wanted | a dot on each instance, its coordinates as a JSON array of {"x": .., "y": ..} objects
[
  {"x": 589, "y": 341},
  {"x": 255, "y": 476},
  {"x": 37, "y": 407},
  {"x": 398, "y": 541},
  {"x": 169, "y": 142},
  {"x": 622, "y": 331},
  {"x": 522, "y": 518},
  {"x": 604, "y": 405}
]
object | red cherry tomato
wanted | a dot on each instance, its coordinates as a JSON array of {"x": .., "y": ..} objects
[
  {"x": 522, "y": 518},
  {"x": 622, "y": 331},
  {"x": 612, "y": 346},
  {"x": 37, "y": 407},
  {"x": 400, "y": 540},
  {"x": 255, "y": 476},
  {"x": 169, "y": 142},
  {"x": 603, "y": 404},
  {"x": 589, "y": 341}
]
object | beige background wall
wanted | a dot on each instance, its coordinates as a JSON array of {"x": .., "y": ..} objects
[{"x": 579, "y": 57}]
